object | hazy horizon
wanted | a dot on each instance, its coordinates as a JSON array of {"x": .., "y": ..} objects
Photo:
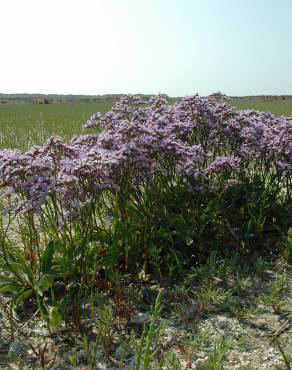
[
  {"x": 137, "y": 93},
  {"x": 175, "y": 47}
]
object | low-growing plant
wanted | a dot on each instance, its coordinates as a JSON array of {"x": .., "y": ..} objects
[
  {"x": 244, "y": 343},
  {"x": 261, "y": 265},
  {"x": 90, "y": 347},
  {"x": 179, "y": 292},
  {"x": 241, "y": 283},
  {"x": 73, "y": 360},
  {"x": 287, "y": 249},
  {"x": 104, "y": 326},
  {"x": 172, "y": 362},
  {"x": 215, "y": 269},
  {"x": 244, "y": 313},
  {"x": 211, "y": 296},
  {"x": 194, "y": 343},
  {"x": 216, "y": 358},
  {"x": 146, "y": 350},
  {"x": 273, "y": 297},
  {"x": 286, "y": 358},
  {"x": 205, "y": 273}
]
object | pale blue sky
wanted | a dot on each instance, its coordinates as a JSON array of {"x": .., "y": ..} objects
[{"x": 178, "y": 47}]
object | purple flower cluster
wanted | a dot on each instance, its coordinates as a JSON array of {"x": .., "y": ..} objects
[
  {"x": 195, "y": 138},
  {"x": 221, "y": 164}
]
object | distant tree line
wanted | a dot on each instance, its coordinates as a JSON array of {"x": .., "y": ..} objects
[
  {"x": 55, "y": 98},
  {"x": 263, "y": 97}
]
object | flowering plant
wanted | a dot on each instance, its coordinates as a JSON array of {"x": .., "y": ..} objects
[{"x": 154, "y": 187}]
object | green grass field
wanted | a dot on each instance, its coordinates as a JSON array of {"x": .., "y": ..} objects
[
  {"x": 24, "y": 125},
  {"x": 277, "y": 106}
]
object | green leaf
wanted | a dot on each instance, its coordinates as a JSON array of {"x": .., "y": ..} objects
[
  {"x": 12, "y": 266},
  {"x": 9, "y": 286},
  {"x": 48, "y": 257},
  {"x": 22, "y": 296},
  {"x": 46, "y": 282},
  {"x": 54, "y": 316},
  {"x": 64, "y": 302},
  {"x": 21, "y": 271}
]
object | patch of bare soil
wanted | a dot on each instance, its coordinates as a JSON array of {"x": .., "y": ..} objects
[{"x": 252, "y": 321}]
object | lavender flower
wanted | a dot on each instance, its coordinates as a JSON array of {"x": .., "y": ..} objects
[{"x": 140, "y": 142}]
